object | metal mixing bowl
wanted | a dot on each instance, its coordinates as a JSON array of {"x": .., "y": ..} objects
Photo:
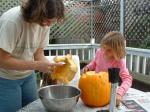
[{"x": 59, "y": 98}]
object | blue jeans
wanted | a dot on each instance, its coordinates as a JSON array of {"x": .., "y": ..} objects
[{"x": 15, "y": 94}]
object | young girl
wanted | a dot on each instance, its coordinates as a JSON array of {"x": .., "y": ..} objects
[{"x": 112, "y": 54}]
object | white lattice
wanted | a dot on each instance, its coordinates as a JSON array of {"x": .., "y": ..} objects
[{"x": 7, "y": 4}]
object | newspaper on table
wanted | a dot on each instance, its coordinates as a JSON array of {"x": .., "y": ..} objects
[
  {"x": 133, "y": 101},
  {"x": 136, "y": 101}
]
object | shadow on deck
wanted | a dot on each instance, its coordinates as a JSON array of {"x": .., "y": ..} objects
[{"x": 141, "y": 86}]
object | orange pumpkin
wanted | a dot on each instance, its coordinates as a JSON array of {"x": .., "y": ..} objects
[{"x": 95, "y": 88}]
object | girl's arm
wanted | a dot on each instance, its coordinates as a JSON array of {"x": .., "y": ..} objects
[
  {"x": 92, "y": 64},
  {"x": 125, "y": 77}
]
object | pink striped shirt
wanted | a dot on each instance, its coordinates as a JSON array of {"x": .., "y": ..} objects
[{"x": 99, "y": 63}]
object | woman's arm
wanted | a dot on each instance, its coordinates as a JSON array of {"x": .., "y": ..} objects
[
  {"x": 39, "y": 55},
  {"x": 7, "y": 61},
  {"x": 11, "y": 63}
]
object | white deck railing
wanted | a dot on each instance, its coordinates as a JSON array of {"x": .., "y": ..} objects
[
  {"x": 138, "y": 60},
  {"x": 85, "y": 51}
]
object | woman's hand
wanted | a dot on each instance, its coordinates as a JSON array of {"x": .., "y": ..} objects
[
  {"x": 118, "y": 100},
  {"x": 46, "y": 67},
  {"x": 85, "y": 69}
]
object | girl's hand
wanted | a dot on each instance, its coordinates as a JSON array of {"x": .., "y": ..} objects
[
  {"x": 46, "y": 67},
  {"x": 118, "y": 100},
  {"x": 85, "y": 69}
]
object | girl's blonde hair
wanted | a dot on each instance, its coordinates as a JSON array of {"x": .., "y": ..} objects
[{"x": 116, "y": 41}]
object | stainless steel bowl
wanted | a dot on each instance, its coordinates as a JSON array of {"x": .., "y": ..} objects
[{"x": 59, "y": 98}]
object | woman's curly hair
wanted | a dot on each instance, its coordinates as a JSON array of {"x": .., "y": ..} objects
[{"x": 36, "y": 11}]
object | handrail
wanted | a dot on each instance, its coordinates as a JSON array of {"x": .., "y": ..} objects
[
  {"x": 71, "y": 46},
  {"x": 130, "y": 50},
  {"x": 138, "y": 51}
]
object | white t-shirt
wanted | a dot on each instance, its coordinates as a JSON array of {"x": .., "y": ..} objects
[{"x": 21, "y": 39}]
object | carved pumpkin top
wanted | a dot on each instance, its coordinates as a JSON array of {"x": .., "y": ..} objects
[{"x": 67, "y": 71}]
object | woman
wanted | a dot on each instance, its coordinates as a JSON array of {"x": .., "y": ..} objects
[{"x": 24, "y": 32}]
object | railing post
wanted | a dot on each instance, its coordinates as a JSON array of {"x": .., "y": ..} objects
[
  {"x": 92, "y": 19},
  {"x": 122, "y": 3},
  {"x": 92, "y": 41},
  {"x": 137, "y": 62},
  {"x": 144, "y": 66},
  {"x": 122, "y": 20},
  {"x": 92, "y": 50},
  {"x": 130, "y": 62}
]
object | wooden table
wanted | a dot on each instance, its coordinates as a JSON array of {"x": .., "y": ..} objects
[{"x": 37, "y": 106}]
